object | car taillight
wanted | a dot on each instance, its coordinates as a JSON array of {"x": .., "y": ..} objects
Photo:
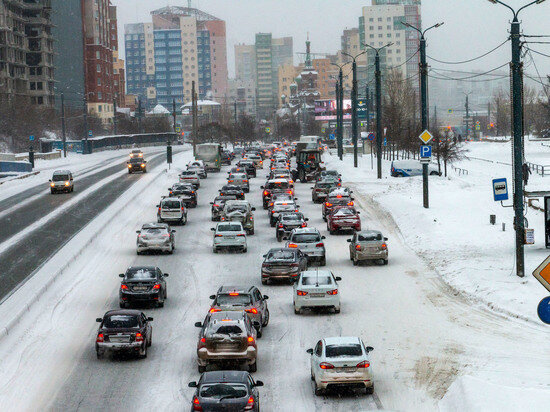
[
  {"x": 320, "y": 244},
  {"x": 192, "y": 192},
  {"x": 253, "y": 310},
  {"x": 157, "y": 286},
  {"x": 294, "y": 265},
  {"x": 250, "y": 340},
  {"x": 218, "y": 235},
  {"x": 182, "y": 208},
  {"x": 124, "y": 287},
  {"x": 357, "y": 247},
  {"x": 196, "y": 404},
  {"x": 280, "y": 226},
  {"x": 222, "y": 219},
  {"x": 289, "y": 192},
  {"x": 266, "y": 192},
  {"x": 52, "y": 184},
  {"x": 139, "y": 337},
  {"x": 292, "y": 245},
  {"x": 245, "y": 181},
  {"x": 332, "y": 292},
  {"x": 212, "y": 310},
  {"x": 304, "y": 224},
  {"x": 383, "y": 246},
  {"x": 159, "y": 209},
  {"x": 364, "y": 364},
  {"x": 296, "y": 210},
  {"x": 301, "y": 293},
  {"x": 129, "y": 166},
  {"x": 230, "y": 181},
  {"x": 99, "y": 337},
  {"x": 327, "y": 204},
  {"x": 250, "y": 404},
  {"x": 171, "y": 193},
  {"x": 242, "y": 193},
  {"x": 215, "y": 205},
  {"x": 326, "y": 365},
  {"x": 241, "y": 234}
]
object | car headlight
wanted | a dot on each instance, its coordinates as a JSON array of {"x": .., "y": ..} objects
[{"x": 52, "y": 184}]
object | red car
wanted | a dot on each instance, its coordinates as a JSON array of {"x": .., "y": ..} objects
[{"x": 343, "y": 218}]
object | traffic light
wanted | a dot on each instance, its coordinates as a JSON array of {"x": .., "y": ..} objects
[{"x": 169, "y": 153}]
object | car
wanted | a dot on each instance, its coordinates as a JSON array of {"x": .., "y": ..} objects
[
  {"x": 232, "y": 190},
  {"x": 189, "y": 176},
  {"x": 186, "y": 192},
  {"x": 316, "y": 289},
  {"x": 341, "y": 362},
  {"x": 248, "y": 166},
  {"x": 155, "y": 237},
  {"x": 126, "y": 331},
  {"x": 137, "y": 164},
  {"x": 225, "y": 158},
  {"x": 333, "y": 174},
  {"x": 248, "y": 298},
  {"x": 142, "y": 284},
  {"x": 368, "y": 245},
  {"x": 288, "y": 221},
  {"x": 237, "y": 169},
  {"x": 281, "y": 207},
  {"x": 322, "y": 188},
  {"x": 336, "y": 198},
  {"x": 62, "y": 181},
  {"x": 229, "y": 235},
  {"x": 283, "y": 264},
  {"x": 257, "y": 159},
  {"x": 172, "y": 209},
  {"x": 199, "y": 170},
  {"x": 136, "y": 153},
  {"x": 410, "y": 167},
  {"x": 227, "y": 337},
  {"x": 240, "y": 180},
  {"x": 310, "y": 242},
  {"x": 226, "y": 391},
  {"x": 279, "y": 171},
  {"x": 343, "y": 218},
  {"x": 238, "y": 151},
  {"x": 217, "y": 206},
  {"x": 239, "y": 211},
  {"x": 274, "y": 186}
]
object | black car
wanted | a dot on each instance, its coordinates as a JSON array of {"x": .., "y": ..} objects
[
  {"x": 226, "y": 391},
  {"x": 127, "y": 331},
  {"x": 249, "y": 167},
  {"x": 137, "y": 164},
  {"x": 186, "y": 192},
  {"x": 283, "y": 264},
  {"x": 142, "y": 284},
  {"x": 226, "y": 158},
  {"x": 218, "y": 205},
  {"x": 288, "y": 221},
  {"x": 232, "y": 190}
]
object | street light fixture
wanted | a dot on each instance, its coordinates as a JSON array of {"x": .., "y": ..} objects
[
  {"x": 340, "y": 109},
  {"x": 517, "y": 132}
]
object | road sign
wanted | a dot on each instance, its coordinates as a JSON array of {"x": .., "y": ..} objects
[
  {"x": 543, "y": 310},
  {"x": 178, "y": 129},
  {"x": 450, "y": 111},
  {"x": 426, "y": 136},
  {"x": 90, "y": 134},
  {"x": 529, "y": 236},
  {"x": 542, "y": 273},
  {"x": 371, "y": 136},
  {"x": 268, "y": 129},
  {"x": 31, "y": 138},
  {"x": 425, "y": 151},
  {"x": 332, "y": 136},
  {"x": 385, "y": 141},
  {"x": 500, "y": 189},
  {"x": 361, "y": 109}
]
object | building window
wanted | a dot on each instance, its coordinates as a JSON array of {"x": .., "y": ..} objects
[
  {"x": 97, "y": 55},
  {"x": 99, "y": 95},
  {"x": 98, "y": 68},
  {"x": 99, "y": 81}
]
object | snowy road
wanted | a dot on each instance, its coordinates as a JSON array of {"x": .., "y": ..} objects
[{"x": 424, "y": 336}]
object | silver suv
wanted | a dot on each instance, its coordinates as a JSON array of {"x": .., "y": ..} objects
[
  {"x": 172, "y": 209},
  {"x": 310, "y": 242},
  {"x": 229, "y": 235},
  {"x": 239, "y": 179},
  {"x": 61, "y": 181},
  {"x": 157, "y": 237}
]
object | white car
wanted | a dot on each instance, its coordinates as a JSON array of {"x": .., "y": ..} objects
[
  {"x": 229, "y": 235},
  {"x": 406, "y": 168},
  {"x": 172, "y": 209},
  {"x": 341, "y": 361},
  {"x": 316, "y": 289},
  {"x": 199, "y": 170},
  {"x": 239, "y": 179},
  {"x": 190, "y": 176}
]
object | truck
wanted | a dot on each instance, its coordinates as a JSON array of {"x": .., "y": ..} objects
[
  {"x": 308, "y": 164},
  {"x": 211, "y": 155},
  {"x": 307, "y": 142}
]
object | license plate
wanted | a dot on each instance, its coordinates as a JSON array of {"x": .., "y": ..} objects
[
  {"x": 140, "y": 288},
  {"x": 317, "y": 295},
  {"x": 119, "y": 339},
  {"x": 346, "y": 370},
  {"x": 229, "y": 237}
]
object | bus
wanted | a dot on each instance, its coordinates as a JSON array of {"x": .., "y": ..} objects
[{"x": 211, "y": 155}]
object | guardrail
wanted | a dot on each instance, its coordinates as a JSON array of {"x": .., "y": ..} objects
[{"x": 539, "y": 169}]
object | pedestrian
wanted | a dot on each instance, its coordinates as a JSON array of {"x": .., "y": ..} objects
[{"x": 526, "y": 171}]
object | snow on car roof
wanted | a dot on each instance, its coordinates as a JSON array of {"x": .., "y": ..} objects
[{"x": 342, "y": 340}]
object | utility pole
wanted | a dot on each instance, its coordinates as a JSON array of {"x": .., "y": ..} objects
[
  {"x": 86, "y": 131},
  {"x": 467, "y": 107},
  {"x": 424, "y": 101},
  {"x": 367, "y": 94},
  {"x": 63, "y": 131},
  {"x": 139, "y": 115},
  {"x": 194, "y": 113},
  {"x": 340, "y": 110},
  {"x": 338, "y": 118},
  {"x": 489, "y": 115},
  {"x": 115, "y": 126},
  {"x": 174, "y": 114},
  {"x": 235, "y": 112},
  {"x": 517, "y": 134}
]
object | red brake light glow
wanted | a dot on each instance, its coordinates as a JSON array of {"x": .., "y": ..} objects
[
  {"x": 326, "y": 365},
  {"x": 364, "y": 364},
  {"x": 253, "y": 310},
  {"x": 157, "y": 286},
  {"x": 301, "y": 293},
  {"x": 233, "y": 294},
  {"x": 320, "y": 244},
  {"x": 384, "y": 246},
  {"x": 139, "y": 337},
  {"x": 215, "y": 310},
  {"x": 250, "y": 339},
  {"x": 332, "y": 292},
  {"x": 292, "y": 245},
  {"x": 99, "y": 338},
  {"x": 123, "y": 287},
  {"x": 327, "y": 204},
  {"x": 357, "y": 247}
]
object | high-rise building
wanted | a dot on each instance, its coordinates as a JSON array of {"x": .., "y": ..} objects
[
  {"x": 26, "y": 52},
  {"x": 243, "y": 93},
  {"x": 180, "y": 46},
  {"x": 119, "y": 82},
  {"x": 245, "y": 62}
]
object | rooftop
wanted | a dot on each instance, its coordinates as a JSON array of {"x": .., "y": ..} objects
[{"x": 185, "y": 11}]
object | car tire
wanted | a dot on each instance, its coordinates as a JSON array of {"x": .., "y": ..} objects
[
  {"x": 323, "y": 261},
  {"x": 279, "y": 238},
  {"x": 266, "y": 322},
  {"x": 336, "y": 310},
  {"x": 99, "y": 354},
  {"x": 325, "y": 218},
  {"x": 350, "y": 256},
  {"x": 271, "y": 223},
  {"x": 332, "y": 232},
  {"x": 160, "y": 304},
  {"x": 143, "y": 353},
  {"x": 355, "y": 262},
  {"x": 122, "y": 305},
  {"x": 201, "y": 369},
  {"x": 245, "y": 250},
  {"x": 319, "y": 391},
  {"x": 265, "y": 281},
  {"x": 369, "y": 391},
  {"x": 214, "y": 250},
  {"x": 139, "y": 253},
  {"x": 259, "y": 333},
  {"x": 297, "y": 311},
  {"x": 52, "y": 191},
  {"x": 253, "y": 367},
  {"x": 251, "y": 232},
  {"x": 385, "y": 261}
]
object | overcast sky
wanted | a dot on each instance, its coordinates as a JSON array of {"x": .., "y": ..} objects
[{"x": 471, "y": 28}]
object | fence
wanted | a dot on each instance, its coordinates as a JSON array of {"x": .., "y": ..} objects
[
  {"x": 460, "y": 171},
  {"x": 539, "y": 169}
]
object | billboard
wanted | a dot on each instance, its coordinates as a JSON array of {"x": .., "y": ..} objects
[{"x": 326, "y": 109}]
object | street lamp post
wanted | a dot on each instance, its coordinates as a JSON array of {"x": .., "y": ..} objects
[
  {"x": 424, "y": 101},
  {"x": 340, "y": 110},
  {"x": 517, "y": 126}
]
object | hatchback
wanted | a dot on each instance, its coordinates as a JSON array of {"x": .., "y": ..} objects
[
  {"x": 229, "y": 235},
  {"x": 368, "y": 245},
  {"x": 155, "y": 237},
  {"x": 310, "y": 242},
  {"x": 172, "y": 209},
  {"x": 283, "y": 264},
  {"x": 316, "y": 289},
  {"x": 189, "y": 176},
  {"x": 143, "y": 284}
]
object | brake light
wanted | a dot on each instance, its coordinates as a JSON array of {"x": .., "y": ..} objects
[
  {"x": 350, "y": 204},
  {"x": 250, "y": 404},
  {"x": 157, "y": 286},
  {"x": 250, "y": 339},
  {"x": 216, "y": 205},
  {"x": 245, "y": 181},
  {"x": 100, "y": 338},
  {"x": 266, "y": 192},
  {"x": 241, "y": 234},
  {"x": 233, "y": 294},
  {"x": 196, "y": 404},
  {"x": 327, "y": 204},
  {"x": 253, "y": 310},
  {"x": 332, "y": 292},
  {"x": 182, "y": 209},
  {"x": 301, "y": 293},
  {"x": 320, "y": 244},
  {"x": 384, "y": 246},
  {"x": 364, "y": 364},
  {"x": 326, "y": 365},
  {"x": 292, "y": 245},
  {"x": 124, "y": 287},
  {"x": 218, "y": 235},
  {"x": 52, "y": 184},
  {"x": 357, "y": 247},
  {"x": 242, "y": 193},
  {"x": 230, "y": 181},
  {"x": 159, "y": 209},
  {"x": 171, "y": 193},
  {"x": 215, "y": 310},
  {"x": 192, "y": 192},
  {"x": 129, "y": 166},
  {"x": 139, "y": 337},
  {"x": 339, "y": 196},
  {"x": 304, "y": 224},
  {"x": 296, "y": 210},
  {"x": 143, "y": 165}
]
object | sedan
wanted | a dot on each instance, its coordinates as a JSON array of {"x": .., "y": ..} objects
[
  {"x": 287, "y": 222},
  {"x": 156, "y": 237},
  {"x": 232, "y": 190},
  {"x": 281, "y": 207},
  {"x": 316, "y": 289},
  {"x": 283, "y": 264},
  {"x": 368, "y": 245},
  {"x": 239, "y": 179},
  {"x": 186, "y": 192},
  {"x": 123, "y": 331},
  {"x": 217, "y": 206},
  {"x": 229, "y": 235},
  {"x": 190, "y": 176},
  {"x": 341, "y": 362},
  {"x": 226, "y": 391},
  {"x": 142, "y": 284},
  {"x": 343, "y": 218}
]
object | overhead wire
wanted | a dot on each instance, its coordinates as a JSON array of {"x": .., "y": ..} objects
[
  {"x": 471, "y": 60},
  {"x": 470, "y": 77}
]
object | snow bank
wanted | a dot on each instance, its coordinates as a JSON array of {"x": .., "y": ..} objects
[{"x": 471, "y": 394}]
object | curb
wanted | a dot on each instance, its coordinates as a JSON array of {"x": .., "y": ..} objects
[{"x": 21, "y": 177}]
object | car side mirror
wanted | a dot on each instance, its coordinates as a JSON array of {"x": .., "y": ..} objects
[
  {"x": 99, "y": 320},
  {"x": 386, "y": 238},
  {"x": 212, "y": 228},
  {"x": 192, "y": 384},
  {"x": 266, "y": 297},
  {"x": 198, "y": 324},
  {"x": 358, "y": 213},
  {"x": 338, "y": 278},
  {"x": 349, "y": 240},
  {"x": 166, "y": 274},
  {"x": 149, "y": 319},
  {"x": 157, "y": 205},
  {"x": 261, "y": 187},
  {"x": 173, "y": 230},
  {"x": 369, "y": 349},
  {"x": 211, "y": 203},
  {"x": 49, "y": 180},
  {"x": 169, "y": 188},
  {"x": 212, "y": 296},
  {"x": 306, "y": 219},
  {"x": 121, "y": 275},
  {"x": 352, "y": 198},
  {"x": 253, "y": 209},
  {"x": 138, "y": 231},
  {"x": 258, "y": 383},
  {"x": 264, "y": 255},
  {"x": 310, "y": 351},
  {"x": 295, "y": 198},
  {"x": 323, "y": 237}
]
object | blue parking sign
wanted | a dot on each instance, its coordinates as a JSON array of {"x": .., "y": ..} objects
[{"x": 425, "y": 151}]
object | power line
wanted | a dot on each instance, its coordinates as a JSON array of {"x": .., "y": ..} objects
[
  {"x": 473, "y": 76},
  {"x": 474, "y": 59},
  {"x": 469, "y": 81},
  {"x": 538, "y": 73},
  {"x": 463, "y": 72},
  {"x": 537, "y": 52}
]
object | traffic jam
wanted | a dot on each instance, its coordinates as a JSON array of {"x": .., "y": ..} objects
[{"x": 229, "y": 337}]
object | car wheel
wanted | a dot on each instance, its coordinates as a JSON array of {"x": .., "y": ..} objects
[
  {"x": 259, "y": 333},
  {"x": 319, "y": 391},
  {"x": 325, "y": 218},
  {"x": 312, "y": 377},
  {"x": 245, "y": 250},
  {"x": 332, "y": 232},
  {"x": 214, "y": 250},
  {"x": 139, "y": 253},
  {"x": 202, "y": 369},
  {"x": 143, "y": 352},
  {"x": 323, "y": 261},
  {"x": 369, "y": 391},
  {"x": 266, "y": 319},
  {"x": 253, "y": 367},
  {"x": 355, "y": 262},
  {"x": 271, "y": 222},
  {"x": 350, "y": 256},
  {"x": 385, "y": 261},
  {"x": 279, "y": 238},
  {"x": 122, "y": 305},
  {"x": 150, "y": 340},
  {"x": 251, "y": 232},
  {"x": 99, "y": 354},
  {"x": 297, "y": 311},
  {"x": 265, "y": 281},
  {"x": 337, "y": 310}
]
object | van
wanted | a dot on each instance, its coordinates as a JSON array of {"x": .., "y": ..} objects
[
  {"x": 61, "y": 181},
  {"x": 406, "y": 168}
]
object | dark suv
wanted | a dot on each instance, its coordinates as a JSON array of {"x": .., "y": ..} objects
[
  {"x": 186, "y": 192},
  {"x": 137, "y": 164},
  {"x": 249, "y": 167},
  {"x": 288, "y": 221},
  {"x": 143, "y": 284}
]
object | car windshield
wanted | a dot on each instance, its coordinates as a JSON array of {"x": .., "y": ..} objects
[
  {"x": 121, "y": 322},
  {"x": 236, "y": 208},
  {"x": 171, "y": 204},
  {"x": 316, "y": 280},
  {"x": 140, "y": 274},
  {"x": 280, "y": 255},
  {"x": 336, "y": 351},
  {"x": 292, "y": 216},
  {"x": 135, "y": 160},
  {"x": 306, "y": 238},
  {"x": 278, "y": 185},
  {"x": 369, "y": 237},
  {"x": 235, "y": 299},
  {"x": 344, "y": 212},
  {"x": 223, "y": 390},
  {"x": 60, "y": 178},
  {"x": 154, "y": 231},
  {"x": 229, "y": 228}
]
